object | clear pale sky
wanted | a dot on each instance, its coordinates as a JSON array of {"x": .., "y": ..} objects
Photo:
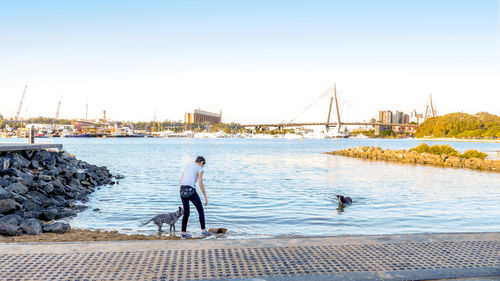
[{"x": 257, "y": 61}]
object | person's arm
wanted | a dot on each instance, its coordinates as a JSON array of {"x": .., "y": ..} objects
[
  {"x": 182, "y": 177},
  {"x": 202, "y": 187}
]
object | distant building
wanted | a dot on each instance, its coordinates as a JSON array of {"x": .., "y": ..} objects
[
  {"x": 385, "y": 116},
  {"x": 200, "y": 116},
  {"x": 406, "y": 119},
  {"x": 397, "y": 117}
]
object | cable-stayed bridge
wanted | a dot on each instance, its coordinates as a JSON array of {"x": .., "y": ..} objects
[{"x": 327, "y": 124}]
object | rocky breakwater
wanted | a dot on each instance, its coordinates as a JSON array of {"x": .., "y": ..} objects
[
  {"x": 414, "y": 157},
  {"x": 37, "y": 188}
]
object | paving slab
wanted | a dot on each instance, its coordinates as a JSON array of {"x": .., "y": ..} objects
[{"x": 371, "y": 257}]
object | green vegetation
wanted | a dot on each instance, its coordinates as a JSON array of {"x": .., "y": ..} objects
[
  {"x": 448, "y": 150},
  {"x": 461, "y": 125},
  {"x": 472, "y": 153}
]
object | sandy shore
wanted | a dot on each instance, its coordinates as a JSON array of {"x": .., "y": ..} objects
[{"x": 81, "y": 235}]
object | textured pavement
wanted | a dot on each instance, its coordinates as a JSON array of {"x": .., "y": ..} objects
[{"x": 377, "y": 257}]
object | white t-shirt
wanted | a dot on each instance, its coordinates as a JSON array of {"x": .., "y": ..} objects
[{"x": 191, "y": 174}]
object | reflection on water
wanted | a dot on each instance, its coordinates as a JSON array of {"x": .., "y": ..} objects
[{"x": 262, "y": 188}]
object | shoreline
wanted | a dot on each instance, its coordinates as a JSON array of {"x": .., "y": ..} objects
[
  {"x": 84, "y": 235},
  {"x": 459, "y": 140}
]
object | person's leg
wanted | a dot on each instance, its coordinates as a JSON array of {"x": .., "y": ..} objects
[
  {"x": 199, "y": 207},
  {"x": 185, "y": 217}
]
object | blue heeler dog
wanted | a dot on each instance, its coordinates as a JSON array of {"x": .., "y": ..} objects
[{"x": 170, "y": 218}]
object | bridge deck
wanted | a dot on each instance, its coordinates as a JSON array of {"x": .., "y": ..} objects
[{"x": 380, "y": 257}]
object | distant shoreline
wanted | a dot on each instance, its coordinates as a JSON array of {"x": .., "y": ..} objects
[{"x": 459, "y": 140}]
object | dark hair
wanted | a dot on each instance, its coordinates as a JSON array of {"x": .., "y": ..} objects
[{"x": 200, "y": 159}]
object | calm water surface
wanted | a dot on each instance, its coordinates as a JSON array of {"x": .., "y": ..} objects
[{"x": 278, "y": 187}]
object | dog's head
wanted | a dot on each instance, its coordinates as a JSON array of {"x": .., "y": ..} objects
[
  {"x": 340, "y": 198},
  {"x": 179, "y": 212}
]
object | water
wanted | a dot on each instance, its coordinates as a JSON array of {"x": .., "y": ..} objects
[{"x": 278, "y": 187}]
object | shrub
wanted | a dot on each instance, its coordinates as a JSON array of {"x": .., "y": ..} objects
[
  {"x": 472, "y": 153},
  {"x": 443, "y": 149},
  {"x": 423, "y": 147}
]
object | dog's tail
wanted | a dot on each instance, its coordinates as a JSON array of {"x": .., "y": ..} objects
[{"x": 148, "y": 221}]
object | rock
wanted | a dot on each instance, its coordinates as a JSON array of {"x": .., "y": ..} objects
[
  {"x": 12, "y": 219},
  {"x": 12, "y": 172},
  {"x": 29, "y": 205},
  {"x": 37, "y": 197},
  {"x": 35, "y": 164},
  {"x": 8, "y": 205},
  {"x": 18, "y": 198},
  {"x": 31, "y": 226},
  {"x": 51, "y": 202},
  {"x": 48, "y": 188},
  {"x": 56, "y": 227},
  {"x": 5, "y": 194},
  {"x": 18, "y": 188},
  {"x": 32, "y": 214},
  {"x": 45, "y": 177},
  {"x": 10, "y": 230},
  {"x": 65, "y": 212},
  {"x": 27, "y": 179},
  {"x": 4, "y": 182},
  {"x": 49, "y": 214}
]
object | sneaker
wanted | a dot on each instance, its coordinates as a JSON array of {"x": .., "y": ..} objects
[
  {"x": 205, "y": 234},
  {"x": 185, "y": 236}
]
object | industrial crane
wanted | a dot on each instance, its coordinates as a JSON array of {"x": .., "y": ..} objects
[
  {"x": 21, "y": 103},
  {"x": 58, "y": 108}
]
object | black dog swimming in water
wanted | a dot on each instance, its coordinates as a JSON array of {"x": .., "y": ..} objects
[{"x": 344, "y": 200}]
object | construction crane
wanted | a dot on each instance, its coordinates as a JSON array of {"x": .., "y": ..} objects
[
  {"x": 21, "y": 103},
  {"x": 58, "y": 108}
]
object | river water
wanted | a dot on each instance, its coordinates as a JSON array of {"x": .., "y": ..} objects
[{"x": 279, "y": 187}]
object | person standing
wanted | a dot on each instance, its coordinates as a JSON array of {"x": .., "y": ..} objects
[{"x": 193, "y": 173}]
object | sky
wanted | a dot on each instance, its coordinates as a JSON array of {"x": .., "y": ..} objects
[{"x": 256, "y": 61}]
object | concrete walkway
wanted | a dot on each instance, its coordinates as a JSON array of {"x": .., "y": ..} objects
[{"x": 378, "y": 257}]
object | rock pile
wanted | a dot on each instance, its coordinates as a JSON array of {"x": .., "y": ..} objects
[
  {"x": 413, "y": 157},
  {"x": 38, "y": 187}
]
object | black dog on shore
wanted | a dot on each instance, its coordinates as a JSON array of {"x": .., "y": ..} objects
[{"x": 344, "y": 200}]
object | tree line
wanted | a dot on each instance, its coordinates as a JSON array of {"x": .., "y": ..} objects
[{"x": 461, "y": 125}]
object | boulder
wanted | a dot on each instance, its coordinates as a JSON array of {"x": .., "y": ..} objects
[
  {"x": 10, "y": 229},
  {"x": 49, "y": 214},
  {"x": 65, "y": 212},
  {"x": 12, "y": 219},
  {"x": 5, "y": 194},
  {"x": 8, "y": 205},
  {"x": 18, "y": 188},
  {"x": 56, "y": 227},
  {"x": 12, "y": 172},
  {"x": 29, "y": 205},
  {"x": 31, "y": 226},
  {"x": 37, "y": 197},
  {"x": 4, "y": 182}
]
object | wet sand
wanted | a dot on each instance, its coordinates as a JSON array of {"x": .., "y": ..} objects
[{"x": 80, "y": 235}]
